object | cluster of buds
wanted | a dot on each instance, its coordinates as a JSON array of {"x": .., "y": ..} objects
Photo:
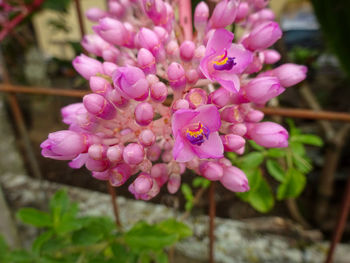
[{"x": 163, "y": 101}]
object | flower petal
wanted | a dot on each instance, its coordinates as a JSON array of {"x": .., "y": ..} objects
[
  {"x": 220, "y": 40},
  {"x": 242, "y": 57},
  {"x": 182, "y": 151},
  {"x": 211, "y": 148},
  {"x": 228, "y": 80},
  {"x": 209, "y": 116},
  {"x": 181, "y": 118}
]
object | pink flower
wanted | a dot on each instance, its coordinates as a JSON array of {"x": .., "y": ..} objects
[
  {"x": 224, "y": 60},
  {"x": 196, "y": 133},
  {"x": 268, "y": 134}
]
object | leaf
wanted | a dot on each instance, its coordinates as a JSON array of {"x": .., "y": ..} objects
[
  {"x": 297, "y": 148},
  {"x": 144, "y": 236},
  {"x": 86, "y": 236},
  {"x": 275, "y": 170},
  {"x": 256, "y": 146},
  {"x": 121, "y": 254},
  {"x": 59, "y": 203},
  {"x": 292, "y": 186},
  {"x": 252, "y": 160},
  {"x": 302, "y": 164},
  {"x": 308, "y": 139},
  {"x": 162, "y": 257},
  {"x": 40, "y": 240},
  {"x": 276, "y": 153},
  {"x": 4, "y": 249},
  {"x": 34, "y": 217},
  {"x": 20, "y": 256},
  {"x": 262, "y": 198},
  {"x": 187, "y": 192},
  {"x": 200, "y": 181},
  {"x": 171, "y": 226}
]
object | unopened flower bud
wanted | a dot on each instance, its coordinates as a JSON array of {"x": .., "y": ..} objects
[
  {"x": 268, "y": 134},
  {"x": 180, "y": 104},
  {"x": 254, "y": 116},
  {"x": 210, "y": 170},
  {"x": 232, "y": 114},
  {"x": 172, "y": 49},
  {"x": 290, "y": 74},
  {"x": 174, "y": 183},
  {"x": 116, "y": 9},
  {"x": 219, "y": 97},
  {"x": 153, "y": 152},
  {"x": 115, "y": 153},
  {"x": 192, "y": 76},
  {"x": 101, "y": 175},
  {"x": 96, "y": 165},
  {"x": 147, "y": 138},
  {"x": 234, "y": 179},
  {"x": 143, "y": 183},
  {"x": 159, "y": 170},
  {"x": 161, "y": 33},
  {"x": 87, "y": 67},
  {"x": 232, "y": 142},
  {"x": 238, "y": 129},
  {"x": 187, "y": 50},
  {"x": 99, "y": 85},
  {"x": 99, "y": 106},
  {"x": 144, "y": 113},
  {"x": 146, "y": 61},
  {"x": 155, "y": 10},
  {"x": 242, "y": 12},
  {"x": 176, "y": 76},
  {"x": 97, "y": 151},
  {"x": 271, "y": 56},
  {"x": 201, "y": 15},
  {"x": 112, "y": 30},
  {"x": 119, "y": 174},
  {"x": 224, "y": 13},
  {"x": 133, "y": 153},
  {"x": 95, "y": 14},
  {"x": 149, "y": 40},
  {"x": 109, "y": 68},
  {"x": 159, "y": 91}
]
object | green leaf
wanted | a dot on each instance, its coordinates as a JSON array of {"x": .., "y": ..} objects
[
  {"x": 252, "y": 160},
  {"x": 256, "y": 146},
  {"x": 187, "y": 192},
  {"x": 162, "y": 257},
  {"x": 302, "y": 163},
  {"x": 34, "y": 217},
  {"x": 4, "y": 249},
  {"x": 171, "y": 226},
  {"x": 308, "y": 139},
  {"x": 21, "y": 256},
  {"x": 276, "y": 153},
  {"x": 121, "y": 254},
  {"x": 297, "y": 148},
  {"x": 59, "y": 204},
  {"x": 275, "y": 170},
  {"x": 144, "y": 236},
  {"x": 292, "y": 186},
  {"x": 40, "y": 240},
  {"x": 86, "y": 236},
  {"x": 262, "y": 198}
]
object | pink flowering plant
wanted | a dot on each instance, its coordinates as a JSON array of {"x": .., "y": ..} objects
[{"x": 165, "y": 99}]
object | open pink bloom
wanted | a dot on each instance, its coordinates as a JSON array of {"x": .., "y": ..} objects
[
  {"x": 196, "y": 134},
  {"x": 223, "y": 60}
]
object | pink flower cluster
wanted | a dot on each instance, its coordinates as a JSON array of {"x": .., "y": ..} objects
[{"x": 163, "y": 101}]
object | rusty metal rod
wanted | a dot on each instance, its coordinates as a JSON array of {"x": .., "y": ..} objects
[
  {"x": 113, "y": 195},
  {"x": 339, "y": 229},
  {"x": 43, "y": 90},
  {"x": 212, "y": 212},
  {"x": 285, "y": 112}
]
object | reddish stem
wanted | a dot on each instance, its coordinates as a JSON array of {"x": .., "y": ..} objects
[{"x": 186, "y": 18}]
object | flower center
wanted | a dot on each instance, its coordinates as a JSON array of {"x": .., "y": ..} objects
[
  {"x": 197, "y": 133},
  {"x": 223, "y": 62}
]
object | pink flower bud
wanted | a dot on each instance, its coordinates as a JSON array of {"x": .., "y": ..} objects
[
  {"x": 268, "y": 134},
  {"x": 94, "y": 44},
  {"x": 176, "y": 76},
  {"x": 232, "y": 114},
  {"x": 224, "y": 13},
  {"x": 290, "y": 74},
  {"x": 234, "y": 179},
  {"x": 254, "y": 116},
  {"x": 116, "y": 9},
  {"x": 242, "y": 12},
  {"x": 69, "y": 112},
  {"x": 143, "y": 183},
  {"x": 115, "y": 153},
  {"x": 112, "y": 54},
  {"x": 155, "y": 10},
  {"x": 119, "y": 174},
  {"x": 180, "y": 104},
  {"x": 187, "y": 50},
  {"x": 100, "y": 85},
  {"x": 238, "y": 129},
  {"x": 167, "y": 156},
  {"x": 97, "y": 151},
  {"x": 192, "y": 76},
  {"x": 262, "y": 89},
  {"x": 101, "y": 175},
  {"x": 196, "y": 97},
  {"x": 86, "y": 66},
  {"x": 266, "y": 14},
  {"x": 95, "y": 14},
  {"x": 112, "y": 30},
  {"x": 149, "y": 40},
  {"x": 131, "y": 82},
  {"x": 159, "y": 91},
  {"x": 271, "y": 56},
  {"x": 219, "y": 97},
  {"x": 172, "y": 49},
  {"x": 147, "y": 138},
  {"x": 232, "y": 142},
  {"x": 96, "y": 165},
  {"x": 99, "y": 106},
  {"x": 210, "y": 170},
  {"x": 153, "y": 152},
  {"x": 255, "y": 66},
  {"x": 174, "y": 183},
  {"x": 146, "y": 61},
  {"x": 159, "y": 170},
  {"x": 86, "y": 120},
  {"x": 263, "y": 36},
  {"x": 259, "y": 4},
  {"x": 109, "y": 68},
  {"x": 144, "y": 113},
  {"x": 63, "y": 145},
  {"x": 162, "y": 34},
  {"x": 116, "y": 99},
  {"x": 199, "y": 52},
  {"x": 201, "y": 15},
  {"x": 133, "y": 153}
]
